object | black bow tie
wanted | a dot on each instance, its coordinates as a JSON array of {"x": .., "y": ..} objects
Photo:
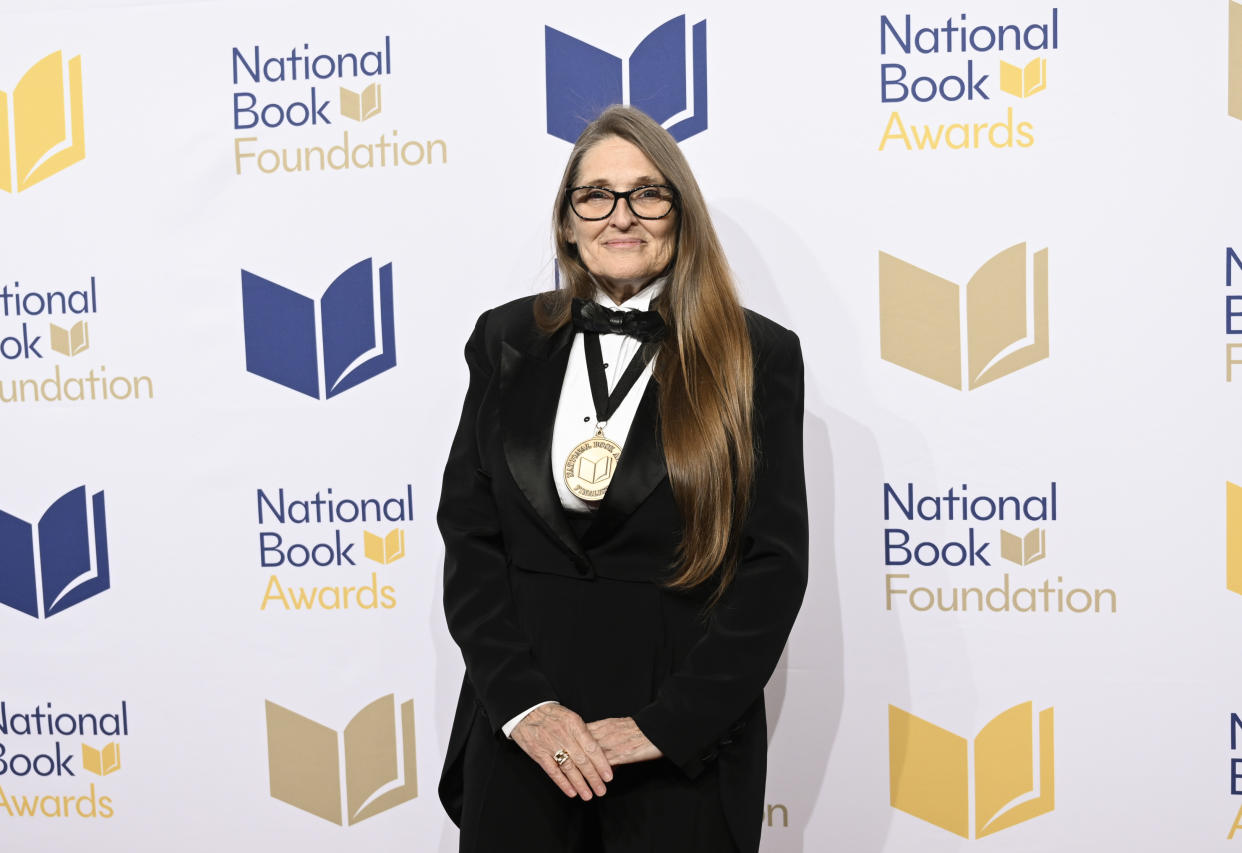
[{"x": 646, "y": 326}]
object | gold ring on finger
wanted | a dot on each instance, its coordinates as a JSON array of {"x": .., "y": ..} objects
[{"x": 561, "y": 757}]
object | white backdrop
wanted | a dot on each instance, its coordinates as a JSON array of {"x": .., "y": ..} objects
[{"x": 1127, "y": 183}]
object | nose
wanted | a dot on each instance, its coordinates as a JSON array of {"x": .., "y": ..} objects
[{"x": 622, "y": 217}]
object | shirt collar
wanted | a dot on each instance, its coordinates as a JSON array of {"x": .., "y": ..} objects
[{"x": 640, "y": 301}]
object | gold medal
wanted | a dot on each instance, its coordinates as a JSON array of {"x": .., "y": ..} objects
[{"x": 590, "y": 466}]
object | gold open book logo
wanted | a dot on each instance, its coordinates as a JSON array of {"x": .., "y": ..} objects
[
  {"x": 965, "y": 335},
  {"x": 70, "y": 341},
  {"x": 361, "y": 106},
  {"x": 595, "y": 471},
  {"x": 304, "y": 761},
  {"x": 42, "y": 129},
  {"x": 1024, "y": 550},
  {"x": 930, "y": 771}
]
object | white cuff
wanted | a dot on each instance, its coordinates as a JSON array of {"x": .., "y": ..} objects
[{"x": 508, "y": 727}]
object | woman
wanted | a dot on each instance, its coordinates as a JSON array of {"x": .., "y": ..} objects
[{"x": 619, "y": 611}]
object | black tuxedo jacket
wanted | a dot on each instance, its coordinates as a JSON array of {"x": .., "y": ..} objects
[{"x": 505, "y": 531}]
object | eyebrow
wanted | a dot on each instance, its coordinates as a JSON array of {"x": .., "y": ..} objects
[{"x": 641, "y": 181}]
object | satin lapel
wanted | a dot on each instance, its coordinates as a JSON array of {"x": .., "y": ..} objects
[
  {"x": 640, "y": 470},
  {"x": 530, "y": 388}
]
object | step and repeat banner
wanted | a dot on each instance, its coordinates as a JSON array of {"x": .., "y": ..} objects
[{"x": 243, "y": 244}]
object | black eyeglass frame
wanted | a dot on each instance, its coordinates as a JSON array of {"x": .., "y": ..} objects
[{"x": 617, "y": 196}]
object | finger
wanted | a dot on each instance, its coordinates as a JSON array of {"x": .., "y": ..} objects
[
  {"x": 621, "y": 748},
  {"x": 555, "y": 774},
  {"x": 613, "y": 755},
  {"x": 589, "y": 756},
  {"x": 594, "y": 756},
  {"x": 606, "y": 738},
  {"x": 590, "y": 773},
  {"x": 574, "y": 775}
]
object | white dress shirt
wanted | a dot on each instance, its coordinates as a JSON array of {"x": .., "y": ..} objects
[{"x": 575, "y": 414}]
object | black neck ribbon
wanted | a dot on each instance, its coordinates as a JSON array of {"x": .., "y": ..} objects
[{"x": 606, "y": 404}]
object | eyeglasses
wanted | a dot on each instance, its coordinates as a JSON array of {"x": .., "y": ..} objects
[{"x": 650, "y": 202}]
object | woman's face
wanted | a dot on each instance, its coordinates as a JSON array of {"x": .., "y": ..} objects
[{"x": 623, "y": 252}]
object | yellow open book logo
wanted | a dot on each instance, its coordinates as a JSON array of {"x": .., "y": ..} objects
[
  {"x": 361, "y": 106},
  {"x": 930, "y": 770},
  {"x": 71, "y": 341},
  {"x": 1233, "y": 537},
  {"x": 101, "y": 762},
  {"x": 1024, "y": 550},
  {"x": 42, "y": 130},
  {"x": 965, "y": 336},
  {"x": 384, "y": 549},
  {"x": 304, "y": 761},
  {"x": 1023, "y": 81}
]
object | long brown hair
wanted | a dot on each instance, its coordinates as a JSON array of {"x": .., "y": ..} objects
[{"x": 704, "y": 365}]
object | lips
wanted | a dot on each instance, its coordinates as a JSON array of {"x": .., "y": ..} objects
[{"x": 623, "y": 244}]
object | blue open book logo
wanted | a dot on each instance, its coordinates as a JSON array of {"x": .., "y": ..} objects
[
  {"x": 348, "y": 342},
  {"x": 60, "y": 562},
  {"x": 583, "y": 80}
]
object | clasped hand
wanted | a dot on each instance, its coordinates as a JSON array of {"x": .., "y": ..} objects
[{"x": 594, "y": 748}]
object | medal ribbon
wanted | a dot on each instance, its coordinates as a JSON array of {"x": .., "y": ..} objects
[{"x": 605, "y": 403}]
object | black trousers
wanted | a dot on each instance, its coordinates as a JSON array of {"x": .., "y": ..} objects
[{"x": 650, "y": 807}]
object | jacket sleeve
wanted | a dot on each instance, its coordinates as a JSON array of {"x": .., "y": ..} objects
[
  {"x": 724, "y": 673},
  {"x": 477, "y": 602}
]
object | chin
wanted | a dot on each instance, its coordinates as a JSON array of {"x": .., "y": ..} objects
[{"x": 630, "y": 275}]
